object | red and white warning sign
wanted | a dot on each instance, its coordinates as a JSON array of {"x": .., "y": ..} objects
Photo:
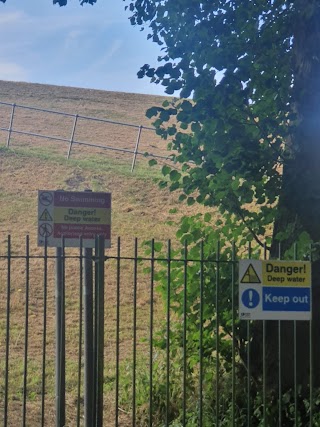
[{"x": 71, "y": 215}]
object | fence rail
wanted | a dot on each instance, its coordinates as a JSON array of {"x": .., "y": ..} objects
[
  {"x": 72, "y": 141},
  {"x": 175, "y": 352}
]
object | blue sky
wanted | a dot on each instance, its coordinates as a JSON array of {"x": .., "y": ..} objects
[{"x": 81, "y": 46}]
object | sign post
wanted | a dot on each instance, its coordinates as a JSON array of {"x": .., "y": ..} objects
[
  {"x": 274, "y": 290},
  {"x": 65, "y": 217},
  {"x": 60, "y": 341},
  {"x": 88, "y": 338}
]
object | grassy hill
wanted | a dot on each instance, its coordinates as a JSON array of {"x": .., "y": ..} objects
[{"x": 139, "y": 210}]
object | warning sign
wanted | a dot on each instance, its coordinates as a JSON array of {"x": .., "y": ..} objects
[
  {"x": 293, "y": 273},
  {"x": 45, "y": 198},
  {"x": 45, "y": 230},
  {"x": 73, "y": 215},
  {"x": 275, "y": 290},
  {"x": 45, "y": 216},
  {"x": 250, "y": 275}
]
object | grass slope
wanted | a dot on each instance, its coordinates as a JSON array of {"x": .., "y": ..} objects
[{"x": 139, "y": 209}]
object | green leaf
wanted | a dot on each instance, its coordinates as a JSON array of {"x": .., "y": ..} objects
[
  {"x": 153, "y": 162},
  {"x": 207, "y": 217},
  {"x": 190, "y": 201},
  {"x": 166, "y": 170},
  {"x": 175, "y": 175},
  {"x": 151, "y": 112},
  {"x": 158, "y": 246}
]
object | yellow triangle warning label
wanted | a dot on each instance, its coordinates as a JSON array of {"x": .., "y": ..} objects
[
  {"x": 250, "y": 275},
  {"x": 45, "y": 216}
]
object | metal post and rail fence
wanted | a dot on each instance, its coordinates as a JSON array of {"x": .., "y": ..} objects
[
  {"x": 153, "y": 361},
  {"x": 73, "y": 141}
]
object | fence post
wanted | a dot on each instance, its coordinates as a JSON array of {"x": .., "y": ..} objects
[
  {"x": 60, "y": 339},
  {"x": 136, "y": 149},
  {"x": 99, "y": 332},
  {"x": 11, "y": 123},
  {"x": 6, "y": 373},
  {"x": 88, "y": 338},
  {"x": 72, "y": 135}
]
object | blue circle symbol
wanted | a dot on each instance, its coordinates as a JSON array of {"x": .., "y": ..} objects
[{"x": 250, "y": 298}]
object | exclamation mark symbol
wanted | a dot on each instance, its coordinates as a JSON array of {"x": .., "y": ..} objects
[{"x": 250, "y": 298}]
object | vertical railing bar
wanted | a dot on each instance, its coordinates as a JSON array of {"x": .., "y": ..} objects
[
  {"x": 280, "y": 364},
  {"x": 185, "y": 307},
  {"x": 248, "y": 361},
  {"x": 136, "y": 149},
  {"x": 295, "y": 356},
  {"x": 151, "y": 337},
  {"x": 72, "y": 135},
  {"x": 264, "y": 397},
  {"x": 118, "y": 333},
  {"x": 80, "y": 330},
  {"x": 233, "y": 302},
  {"x": 217, "y": 334},
  {"x": 6, "y": 387},
  {"x": 100, "y": 294},
  {"x": 61, "y": 337},
  {"x": 44, "y": 342},
  {"x": 168, "y": 334},
  {"x": 311, "y": 349},
  {"x": 201, "y": 334},
  {"x": 89, "y": 336},
  {"x": 134, "y": 379},
  {"x": 26, "y": 334},
  {"x": 264, "y": 393},
  {"x": 10, "y": 126},
  {"x": 95, "y": 301}
]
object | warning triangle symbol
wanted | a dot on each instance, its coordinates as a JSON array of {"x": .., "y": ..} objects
[
  {"x": 45, "y": 216},
  {"x": 250, "y": 276}
]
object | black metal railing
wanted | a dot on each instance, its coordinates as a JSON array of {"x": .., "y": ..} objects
[{"x": 150, "y": 339}]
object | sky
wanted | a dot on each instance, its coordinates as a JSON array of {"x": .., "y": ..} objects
[{"x": 81, "y": 46}]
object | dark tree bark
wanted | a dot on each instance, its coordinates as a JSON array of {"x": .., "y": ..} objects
[{"x": 299, "y": 207}]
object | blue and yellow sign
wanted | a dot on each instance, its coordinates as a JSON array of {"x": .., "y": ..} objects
[{"x": 274, "y": 290}]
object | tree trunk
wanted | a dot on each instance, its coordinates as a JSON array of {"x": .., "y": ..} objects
[{"x": 299, "y": 207}]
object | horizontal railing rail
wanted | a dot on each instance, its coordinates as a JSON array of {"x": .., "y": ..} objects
[{"x": 11, "y": 129}]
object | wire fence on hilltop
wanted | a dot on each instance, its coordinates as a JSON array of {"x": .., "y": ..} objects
[{"x": 78, "y": 130}]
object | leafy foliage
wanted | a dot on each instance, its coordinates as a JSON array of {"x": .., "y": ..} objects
[
  {"x": 240, "y": 62},
  {"x": 244, "y": 133}
]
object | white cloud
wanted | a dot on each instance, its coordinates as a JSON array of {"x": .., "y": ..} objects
[
  {"x": 113, "y": 49},
  {"x": 12, "y": 71},
  {"x": 73, "y": 39},
  {"x": 11, "y": 18}
]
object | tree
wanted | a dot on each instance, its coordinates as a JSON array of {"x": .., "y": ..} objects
[{"x": 252, "y": 128}]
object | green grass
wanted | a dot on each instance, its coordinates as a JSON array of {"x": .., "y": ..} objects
[{"x": 92, "y": 162}]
